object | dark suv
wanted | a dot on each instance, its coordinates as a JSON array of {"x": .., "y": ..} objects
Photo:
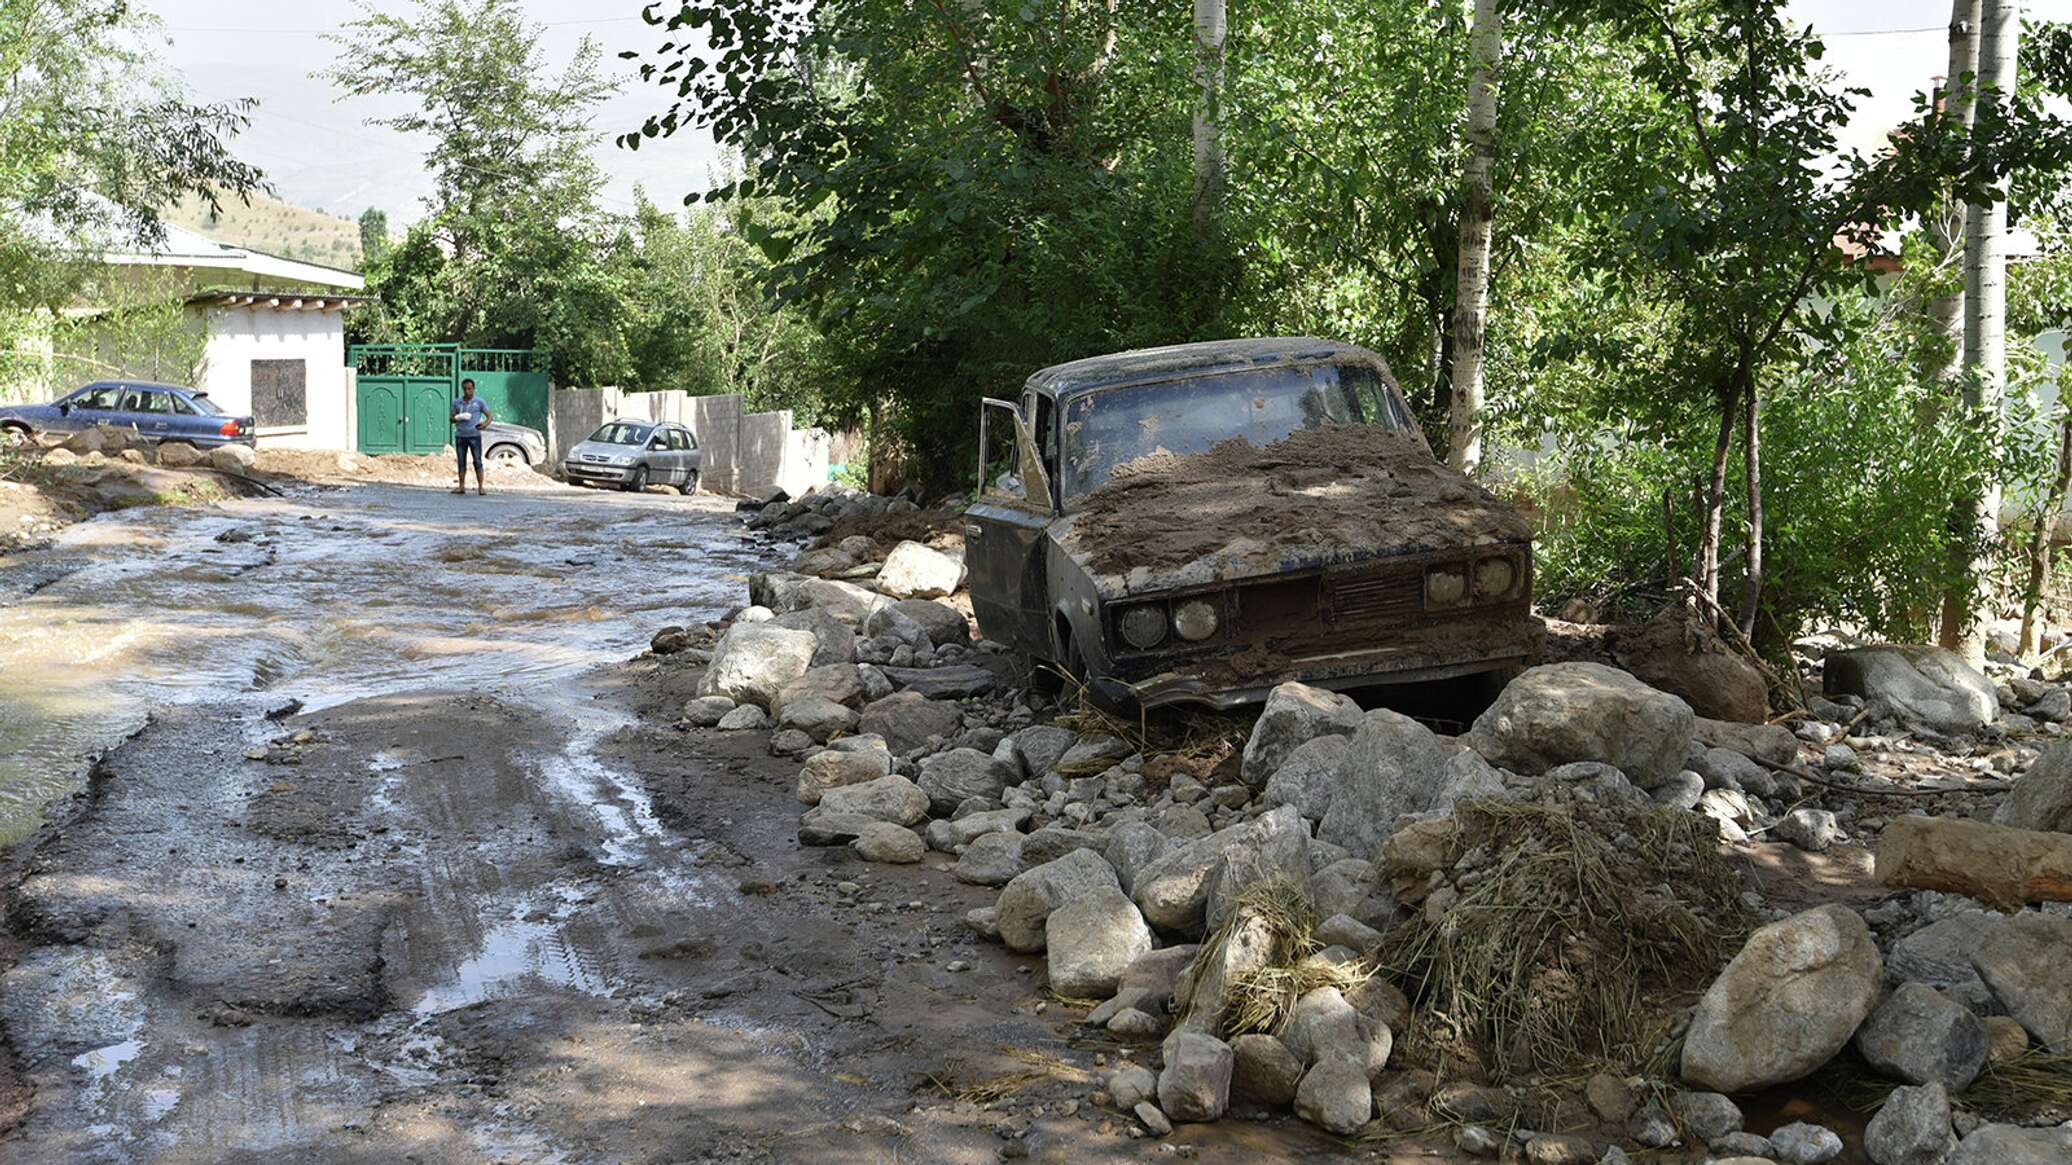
[{"x": 1196, "y": 524}]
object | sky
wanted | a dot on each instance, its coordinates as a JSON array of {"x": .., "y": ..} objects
[{"x": 318, "y": 152}]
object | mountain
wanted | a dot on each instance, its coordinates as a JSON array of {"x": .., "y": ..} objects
[{"x": 276, "y": 227}]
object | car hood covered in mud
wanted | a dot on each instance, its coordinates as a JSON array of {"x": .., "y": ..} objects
[{"x": 1338, "y": 494}]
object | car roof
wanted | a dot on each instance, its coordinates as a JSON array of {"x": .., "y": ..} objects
[
  {"x": 1212, "y": 356},
  {"x": 141, "y": 384}
]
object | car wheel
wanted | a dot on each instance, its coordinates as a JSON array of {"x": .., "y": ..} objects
[
  {"x": 509, "y": 453},
  {"x": 638, "y": 482},
  {"x": 690, "y": 485}
]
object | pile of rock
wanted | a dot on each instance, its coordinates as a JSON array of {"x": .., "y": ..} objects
[{"x": 784, "y": 517}]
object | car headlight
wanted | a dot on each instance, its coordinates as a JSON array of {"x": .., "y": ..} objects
[
  {"x": 1494, "y": 578},
  {"x": 1143, "y": 627},
  {"x": 1445, "y": 586},
  {"x": 622, "y": 459},
  {"x": 1195, "y": 620}
]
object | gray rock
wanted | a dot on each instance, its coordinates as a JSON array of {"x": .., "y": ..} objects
[
  {"x": 1274, "y": 848},
  {"x": 1027, "y": 901},
  {"x": 1800, "y": 1143},
  {"x": 1926, "y": 687},
  {"x": 942, "y": 622},
  {"x": 1132, "y": 1085},
  {"x": 1563, "y": 712},
  {"x": 785, "y": 592},
  {"x": 1294, "y": 714},
  {"x": 1308, "y": 778},
  {"x": 953, "y": 682},
  {"x": 706, "y": 711},
  {"x": 1920, "y": 1036},
  {"x": 1321, "y": 1025},
  {"x": 950, "y": 778},
  {"x": 1393, "y": 768},
  {"x": 890, "y": 798},
  {"x": 820, "y": 827},
  {"x": 818, "y": 718},
  {"x": 1808, "y": 829},
  {"x": 1346, "y": 931},
  {"x": 2053, "y": 706},
  {"x": 1195, "y": 1085},
  {"x": 883, "y": 841},
  {"x": 1184, "y": 822},
  {"x": 1340, "y": 887},
  {"x": 1770, "y": 743},
  {"x": 1051, "y": 843},
  {"x": 1939, "y": 954},
  {"x": 1154, "y": 1121},
  {"x": 834, "y": 641},
  {"x": 1708, "y": 1115},
  {"x": 2023, "y": 962},
  {"x": 916, "y": 571},
  {"x": 907, "y": 720},
  {"x": 962, "y": 831},
  {"x": 1264, "y": 1071},
  {"x": 1038, "y": 748},
  {"x": 1131, "y": 847},
  {"x": 1726, "y": 768},
  {"x": 753, "y": 661},
  {"x": 1740, "y": 1144},
  {"x": 837, "y": 683},
  {"x": 1476, "y": 1141},
  {"x": 983, "y": 921},
  {"x": 1785, "y": 1004},
  {"x": 1092, "y": 940},
  {"x": 1092, "y": 753},
  {"x": 1557, "y": 1149},
  {"x": 744, "y": 718},
  {"x": 991, "y": 859},
  {"x": 1681, "y": 791},
  {"x": 2042, "y": 796},
  {"x": 2010, "y": 1145},
  {"x": 1336, "y": 1096},
  {"x": 1840, "y": 758},
  {"x": 1137, "y": 1024},
  {"x": 1173, "y": 890},
  {"x": 1157, "y": 975},
  {"x": 1912, "y": 1128}
]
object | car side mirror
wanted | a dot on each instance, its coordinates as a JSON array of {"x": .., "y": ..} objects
[{"x": 64, "y": 408}]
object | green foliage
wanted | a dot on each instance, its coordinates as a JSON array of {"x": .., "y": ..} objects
[{"x": 374, "y": 232}]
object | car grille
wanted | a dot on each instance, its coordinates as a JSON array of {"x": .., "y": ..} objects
[
  {"x": 594, "y": 458},
  {"x": 1394, "y": 593}
]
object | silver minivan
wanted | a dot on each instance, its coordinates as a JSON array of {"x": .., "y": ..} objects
[{"x": 634, "y": 455}]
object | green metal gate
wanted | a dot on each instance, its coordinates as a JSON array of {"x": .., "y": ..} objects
[{"x": 406, "y": 390}]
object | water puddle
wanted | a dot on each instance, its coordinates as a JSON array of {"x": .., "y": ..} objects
[{"x": 102, "y": 1063}]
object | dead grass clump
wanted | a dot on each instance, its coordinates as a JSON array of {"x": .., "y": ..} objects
[
  {"x": 2030, "y": 1089},
  {"x": 1578, "y": 931},
  {"x": 1042, "y": 1067},
  {"x": 1259, "y": 1000}
]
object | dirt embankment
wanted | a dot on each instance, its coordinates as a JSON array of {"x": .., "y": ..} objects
[{"x": 1336, "y": 491}]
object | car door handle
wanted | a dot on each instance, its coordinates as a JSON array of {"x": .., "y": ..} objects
[{"x": 974, "y": 531}]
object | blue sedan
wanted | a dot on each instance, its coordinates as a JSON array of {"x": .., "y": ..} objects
[{"x": 157, "y": 412}]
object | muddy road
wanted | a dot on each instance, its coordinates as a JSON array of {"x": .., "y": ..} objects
[{"x": 476, "y": 899}]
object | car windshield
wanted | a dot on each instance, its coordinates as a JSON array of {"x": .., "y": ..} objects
[
  {"x": 203, "y": 405},
  {"x": 1106, "y": 428},
  {"x": 622, "y": 433}
]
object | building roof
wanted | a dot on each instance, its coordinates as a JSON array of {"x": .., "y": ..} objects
[
  {"x": 185, "y": 248},
  {"x": 1209, "y": 357}
]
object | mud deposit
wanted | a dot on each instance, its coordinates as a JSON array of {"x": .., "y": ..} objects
[
  {"x": 478, "y": 900},
  {"x": 1336, "y": 491}
]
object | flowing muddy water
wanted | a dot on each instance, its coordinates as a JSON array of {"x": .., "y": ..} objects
[{"x": 327, "y": 597}]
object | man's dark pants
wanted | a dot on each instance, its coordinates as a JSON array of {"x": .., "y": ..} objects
[{"x": 463, "y": 447}]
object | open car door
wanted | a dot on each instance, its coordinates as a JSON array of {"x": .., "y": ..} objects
[{"x": 1004, "y": 541}]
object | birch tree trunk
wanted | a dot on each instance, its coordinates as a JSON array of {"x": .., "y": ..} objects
[
  {"x": 1210, "y": 29},
  {"x": 1945, "y": 227},
  {"x": 2042, "y": 542},
  {"x": 1985, "y": 317},
  {"x": 1472, "y": 283}
]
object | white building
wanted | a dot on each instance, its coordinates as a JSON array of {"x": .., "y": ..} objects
[{"x": 274, "y": 333}]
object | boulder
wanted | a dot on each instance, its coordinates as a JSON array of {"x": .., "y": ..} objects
[
  {"x": 1308, "y": 778},
  {"x": 836, "y": 768},
  {"x": 2013, "y": 1145},
  {"x": 784, "y": 592},
  {"x": 914, "y": 571},
  {"x": 942, "y": 623},
  {"x": 991, "y": 859},
  {"x": 1092, "y": 753},
  {"x": 1709, "y": 1115},
  {"x": 1912, "y": 1128},
  {"x": 1393, "y": 768},
  {"x": 1920, "y": 1036},
  {"x": 950, "y": 778},
  {"x": 1092, "y": 940},
  {"x": 825, "y": 562},
  {"x": 1131, "y": 847},
  {"x": 818, "y": 826},
  {"x": 962, "y": 831},
  {"x": 819, "y": 718},
  {"x": 2023, "y": 962},
  {"x": 2042, "y": 796},
  {"x": 1053, "y": 842},
  {"x": 1039, "y": 747},
  {"x": 753, "y": 661},
  {"x": 1274, "y": 847},
  {"x": 1785, "y": 1004},
  {"x": 1686, "y": 658},
  {"x": 1294, "y": 715},
  {"x": 836, "y": 683},
  {"x": 706, "y": 711},
  {"x": 180, "y": 455},
  {"x": 1195, "y": 1085},
  {"x": 834, "y": 640},
  {"x": 1264, "y": 1071},
  {"x": 907, "y": 720},
  {"x": 1335, "y": 1096},
  {"x": 1770, "y": 743},
  {"x": 1563, "y": 712},
  {"x": 1025, "y": 905},
  {"x": 891, "y": 798},
  {"x": 232, "y": 458},
  {"x": 1322, "y": 1025},
  {"x": 744, "y": 718},
  {"x": 1174, "y": 889},
  {"x": 1926, "y": 687},
  {"x": 882, "y": 841},
  {"x": 1802, "y": 1143},
  {"x": 1813, "y": 830},
  {"x": 945, "y": 683}
]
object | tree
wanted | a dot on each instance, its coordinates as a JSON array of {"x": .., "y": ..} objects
[
  {"x": 94, "y": 141},
  {"x": 510, "y": 251},
  {"x": 1210, "y": 29},
  {"x": 374, "y": 235},
  {"x": 1464, "y": 452}
]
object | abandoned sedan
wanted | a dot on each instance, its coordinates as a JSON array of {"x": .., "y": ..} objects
[{"x": 1195, "y": 524}]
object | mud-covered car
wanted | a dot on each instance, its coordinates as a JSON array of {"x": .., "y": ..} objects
[{"x": 1195, "y": 524}]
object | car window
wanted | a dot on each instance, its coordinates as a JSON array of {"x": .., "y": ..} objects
[
  {"x": 144, "y": 400},
  {"x": 679, "y": 439},
  {"x": 98, "y": 398},
  {"x": 203, "y": 405},
  {"x": 1107, "y": 428},
  {"x": 183, "y": 406},
  {"x": 622, "y": 433}
]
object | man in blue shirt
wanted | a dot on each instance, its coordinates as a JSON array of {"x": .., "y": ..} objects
[{"x": 470, "y": 417}]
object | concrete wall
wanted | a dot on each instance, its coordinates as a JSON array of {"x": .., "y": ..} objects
[
  {"x": 743, "y": 452},
  {"x": 239, "y": 335}
]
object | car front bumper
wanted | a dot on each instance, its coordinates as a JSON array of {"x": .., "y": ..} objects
[{"x": 588, "y": 471}]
